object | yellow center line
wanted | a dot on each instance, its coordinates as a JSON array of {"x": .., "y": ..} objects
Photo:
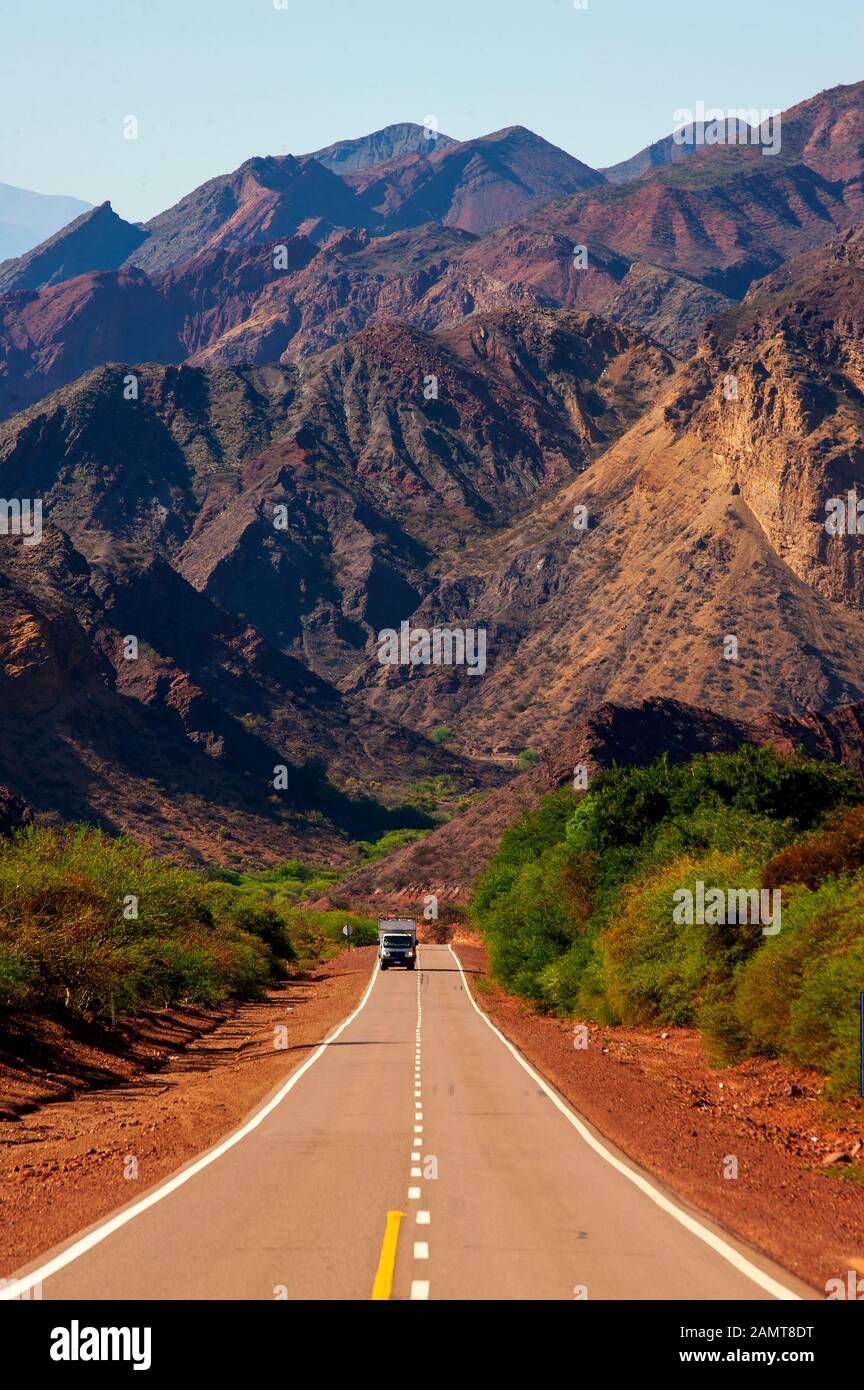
[{"x": 384, "y": 1277}]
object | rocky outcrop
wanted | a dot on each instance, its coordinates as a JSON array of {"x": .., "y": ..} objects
[
  {"x": 671, "y": 308},
  {"x": 704, "y": 570},
  {"x": 394, "y": 141},
  {"x": 14, "y": 813},
  {"x": 129, "y": 699}
]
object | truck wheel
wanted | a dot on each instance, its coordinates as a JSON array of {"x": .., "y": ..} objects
[
  {"x": 411, "y": 965},
  {"x": 383, "y": 966}
]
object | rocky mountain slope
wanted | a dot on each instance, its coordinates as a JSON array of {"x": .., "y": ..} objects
[
  {"x": 96, "y": 240},
  {"x": 447, "y": 861},
  {"x": 680, "y": 144},
  {"x": 705, "y": 521},
  {"x": 264, "y": 201},
  {"x": 181, "y": 745},
  {"x": 476, "y": 185},
  {"x": 404, "y": 137},
  {"x": 379, "y": 472},
  {"x": 205, "y": 709}
]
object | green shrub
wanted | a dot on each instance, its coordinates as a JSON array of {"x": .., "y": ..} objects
[
  {"x": 799, "y": 995},
  {"x": 658, "y": 971},
  {"x": 388, "y": 844},
  {"x": 93, "y": 924},
  {"x": 316, "y": 935},
  {"x": 577, "y": 904},
  {"x": 267, "y": 925},
  {"x": 16, "y": 978},
  {"x": 533, "y": 924}
]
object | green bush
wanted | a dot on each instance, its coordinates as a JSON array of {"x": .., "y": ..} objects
[
  {"x": 93, "y": 924},
  {"x": 658, "y": 971},
  {"x": 799, "y": 995},
  {"x": 388, "y": 844},
  {"x": 629, "y": 805},
  {"x": 577, "y": 904},
  {"x": 267, "y": 925},
  {"x": 16, "y": 977},
  {"x": 318, "y": 935},
  {"x": 534, "y": 924}
]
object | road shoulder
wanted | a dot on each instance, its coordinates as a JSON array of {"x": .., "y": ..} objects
[
  {"x": 67, "y": 1164},
  {"x": 656, "y": 1099}
]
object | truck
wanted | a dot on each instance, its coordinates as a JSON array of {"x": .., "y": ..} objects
[{"x": 397, "y": 942}]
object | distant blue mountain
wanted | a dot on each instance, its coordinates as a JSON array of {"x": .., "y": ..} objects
[{"x": 28, "y": 218}]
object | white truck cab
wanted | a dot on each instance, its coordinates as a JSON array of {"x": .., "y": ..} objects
[{"x": 397, "y": 942}]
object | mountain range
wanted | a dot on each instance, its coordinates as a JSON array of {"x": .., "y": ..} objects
[{"x": 427, "y": 357}]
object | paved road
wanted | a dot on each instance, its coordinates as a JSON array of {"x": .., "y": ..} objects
[{"x": 419, "y": 1107}]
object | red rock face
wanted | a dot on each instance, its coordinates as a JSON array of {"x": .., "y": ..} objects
[
  {"x": 476, "y": 186},
  {"x": 724, "y": 217},
  {"x": 48, "y": 338}
]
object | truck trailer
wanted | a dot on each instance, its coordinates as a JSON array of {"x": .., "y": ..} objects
[{"x": 397, "y": 942}]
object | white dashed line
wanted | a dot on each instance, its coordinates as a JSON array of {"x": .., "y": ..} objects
[{"x": 419, "y": 1287}]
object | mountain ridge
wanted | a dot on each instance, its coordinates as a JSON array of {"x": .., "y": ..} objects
[{"x": 429, "y": 408}]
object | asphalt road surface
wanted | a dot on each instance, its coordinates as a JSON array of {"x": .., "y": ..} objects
[{"x": 416, "y": 1106}]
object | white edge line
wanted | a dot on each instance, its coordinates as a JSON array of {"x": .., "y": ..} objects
[
  {"x": 80, "y": 1247},
  {"x": 728, "y": 1252}
]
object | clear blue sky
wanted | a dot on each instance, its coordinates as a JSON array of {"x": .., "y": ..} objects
[{"x": 215, "y": 81}]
